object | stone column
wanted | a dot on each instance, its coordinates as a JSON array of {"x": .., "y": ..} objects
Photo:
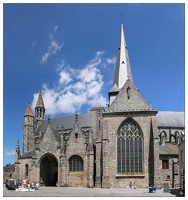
[
  {"x": 156, "y": 152},
  {"x": 63, "y": 171},
  {"x": 98, "y": 165},
  {"x": 90, "y": 163},
  {"x": 90, "y": 170},
  {"x": 105, "y": 177}
]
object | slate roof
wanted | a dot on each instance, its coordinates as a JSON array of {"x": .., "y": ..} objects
[
  {"x": 164, "y": 119},
  {"x": 168, "y": 149},
  {"x": 9, "y": 168},
  {"x": 123, "y": 68},
  {"x": 66, "y": 121},
  {"x": 115, "y": 89},
  {"x": 170, "y": 119},
  {"x": 26, "y": 155}
]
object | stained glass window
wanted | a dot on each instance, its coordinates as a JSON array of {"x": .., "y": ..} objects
[{"x": 129, "y": 148}]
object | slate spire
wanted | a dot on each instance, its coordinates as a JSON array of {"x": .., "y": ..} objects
[{"x": 123, "y": 68}]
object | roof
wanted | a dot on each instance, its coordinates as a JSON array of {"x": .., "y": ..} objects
[
  {"x": 97, "y": 105},
  {"x": 123, "y": 68},
  {"x": 115, "y": 88},
  {"x": 66, "y": 122},
  {"x": 164, "y": 119},
  {"x": 28, "y": 110},
  {"x": 9, "y": 168},
  {"x": 168, "y": 149},
  {"x": 40, "y": 102},
  {"x": 170, "y": 119},
  {"x": 26, "y": 155}
]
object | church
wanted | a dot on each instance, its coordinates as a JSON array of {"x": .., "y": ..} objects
[{"x": 126, "y": 142}]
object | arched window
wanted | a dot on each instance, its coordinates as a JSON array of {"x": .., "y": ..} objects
[
  {"x": 26, "y": 170},
  {"x": 129, "y": 148},
  {"x": 75, "y": 163},
  {"x": 177, "y": 137},
  {"x": 163, "y": 137}
]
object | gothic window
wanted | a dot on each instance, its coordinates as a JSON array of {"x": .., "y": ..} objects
[
  {"x": 76, "y": 135},
  {"x": 129, "y": 148},
  {"x": 75, "y": 163}
]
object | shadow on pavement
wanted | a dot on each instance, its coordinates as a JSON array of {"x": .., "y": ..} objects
[{"x": 175, "y": 192}]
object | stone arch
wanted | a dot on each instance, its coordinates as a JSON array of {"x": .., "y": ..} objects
[
  {"x": 172, "y": 139},
  {"x": 163, "y": 137},
  {"x": 177, "y": 137},
  {"x": 132, "y": 121},
  {"x": 48, "y": 170},
  {"x": 129, "y": 147}
]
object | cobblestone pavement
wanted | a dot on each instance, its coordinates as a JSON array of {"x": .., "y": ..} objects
[{"x": 89, "y": 192}]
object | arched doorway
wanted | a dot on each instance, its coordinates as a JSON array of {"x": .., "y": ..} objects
[{"x": 48, "y": 170}]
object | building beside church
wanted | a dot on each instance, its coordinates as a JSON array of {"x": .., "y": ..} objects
[{"x": 128, "y": 141}]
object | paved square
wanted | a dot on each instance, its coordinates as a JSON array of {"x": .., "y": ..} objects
[{"x": 89, "y": 192}]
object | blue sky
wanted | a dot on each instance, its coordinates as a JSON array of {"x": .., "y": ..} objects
[{"x": 68, "y": 51}]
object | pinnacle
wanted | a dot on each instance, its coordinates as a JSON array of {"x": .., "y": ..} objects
[
  {"x": 28, "y": 110},
  {"x": 40, "y": 102}
]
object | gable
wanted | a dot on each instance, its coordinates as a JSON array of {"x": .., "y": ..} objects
[
  {"x": 129, "y": 98},
  {"x": 48, "y": 141}
]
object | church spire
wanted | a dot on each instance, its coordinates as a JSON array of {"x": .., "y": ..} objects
[
  {"x": 40, "y": 102},
  {"x": 123, "y": 69},
  {"x": 39, "y": 110}
]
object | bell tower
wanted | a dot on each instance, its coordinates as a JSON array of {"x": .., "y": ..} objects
[
  {"x": 39, "y": 110},
  {"x": 28, "y": 130}
]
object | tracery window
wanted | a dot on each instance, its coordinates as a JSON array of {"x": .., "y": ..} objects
[
  {"x": 129, "y": 148},
  {"x": 75, "y": 163}
]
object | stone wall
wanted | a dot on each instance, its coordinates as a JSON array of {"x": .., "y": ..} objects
[{"x": 111, "y": 124}]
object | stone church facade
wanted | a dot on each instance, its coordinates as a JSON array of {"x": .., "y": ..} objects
[{"x": 128, "y": 141}]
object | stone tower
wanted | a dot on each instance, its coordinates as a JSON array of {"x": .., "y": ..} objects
[
  {"x": 39, "y": 110},
  {"x": 129, "y": 139},
  {"x": 28, "y": 130}
]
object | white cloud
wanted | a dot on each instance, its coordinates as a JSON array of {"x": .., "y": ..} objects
[
  {"x": 55, "y": 28},
  {"x": 111, "y": 60},
  {"x": 64, "y": 77},
  {"x": 53, "y": 47},
  {"x": 9, "y": 152},
  {"x": 74, "y": 88}
]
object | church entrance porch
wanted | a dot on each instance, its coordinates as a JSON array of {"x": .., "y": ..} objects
[{"x": 48, "y": 170}]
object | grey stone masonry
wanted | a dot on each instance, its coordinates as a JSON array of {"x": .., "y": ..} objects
[{"x": 129, "y": 98}]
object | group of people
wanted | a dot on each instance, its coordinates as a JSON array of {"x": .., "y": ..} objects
[
  {"x": 30, "y": 184},
  {"x": 132, "y": 185}
]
